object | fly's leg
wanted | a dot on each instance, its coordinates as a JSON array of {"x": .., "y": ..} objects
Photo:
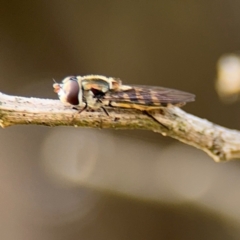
[
  {"x": 83, "y": 109},
  {"x": 104, "y": 109},
  {"x": 153, "y": 118},
  {"x": 86, "y": 106},
  {"x": 79, "y": 111}
]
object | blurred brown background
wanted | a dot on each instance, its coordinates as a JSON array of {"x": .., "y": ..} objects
[{"x": 66, "y": 183}]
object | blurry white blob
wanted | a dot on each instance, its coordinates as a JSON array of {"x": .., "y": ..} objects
[
  {"x": 70, "y": 156},
  {"x": 228, "y": 77}
]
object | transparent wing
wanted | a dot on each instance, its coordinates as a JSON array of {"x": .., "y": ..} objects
[{"x": 151, "y": 96}]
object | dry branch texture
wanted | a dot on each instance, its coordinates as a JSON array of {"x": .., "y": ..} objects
[{"x": 220, "y": 143}]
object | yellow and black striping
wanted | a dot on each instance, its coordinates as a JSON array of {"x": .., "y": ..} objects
[{"x": 147, "y": 97}]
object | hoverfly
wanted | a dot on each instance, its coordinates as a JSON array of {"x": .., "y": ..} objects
[{"x": 96, "y": 91}]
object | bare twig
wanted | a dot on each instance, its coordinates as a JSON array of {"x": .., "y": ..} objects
[{"x": 220, "y": 143}]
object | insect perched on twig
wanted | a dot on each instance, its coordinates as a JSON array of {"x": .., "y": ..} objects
[{"x": 96, "y": 91}]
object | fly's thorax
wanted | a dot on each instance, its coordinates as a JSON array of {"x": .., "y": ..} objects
[
  {"x": 93, "y": 87},
  {"x": 100, "y": 83},
  {"x": 91, "y": 100}
]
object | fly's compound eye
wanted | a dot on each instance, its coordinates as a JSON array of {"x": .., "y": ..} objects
[{"x": 71, "y": 90}]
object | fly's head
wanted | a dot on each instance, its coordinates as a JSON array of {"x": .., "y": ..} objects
[{"x": 68, "y": 90}]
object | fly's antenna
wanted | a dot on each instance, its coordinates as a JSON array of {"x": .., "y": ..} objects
[{"x": 55, "y": 82}]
